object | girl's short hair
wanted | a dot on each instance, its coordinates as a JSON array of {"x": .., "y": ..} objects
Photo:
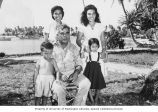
[
  {"x": 57, "y": 8},
  {"x": 84, "y": 19},
  {"x": 46, "y": 45},
  {"x": 93, "y": 41}
]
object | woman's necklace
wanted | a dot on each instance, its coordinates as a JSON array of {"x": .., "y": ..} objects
[{"x": 92, "y": 25}]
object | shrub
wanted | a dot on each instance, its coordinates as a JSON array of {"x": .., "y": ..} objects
[
  {"x": 113, "y": 39},
  {"x": 2, "y": 54}
]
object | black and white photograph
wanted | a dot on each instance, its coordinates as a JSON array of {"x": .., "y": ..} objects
[{"x": 82, "y": 55}]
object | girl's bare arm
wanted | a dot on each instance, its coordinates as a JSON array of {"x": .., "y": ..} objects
[{"x": 36, "y": 72}]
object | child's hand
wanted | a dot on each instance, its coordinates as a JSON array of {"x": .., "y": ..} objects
[
  {"x": 58, "y": 82},
  {"x": 61, "y": 83},
  {"x": 105, "y": 60},
  {"x": 64, "y": 78}
]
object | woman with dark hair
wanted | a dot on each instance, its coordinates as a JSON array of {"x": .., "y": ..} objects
[
  {"x": 91, "y": 28},
  {"x": 84, "y": 17},
  {"x": 57, "y": 13}
]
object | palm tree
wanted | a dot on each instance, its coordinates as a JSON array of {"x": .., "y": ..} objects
[
  {"x": 149, "y": 8},
  {"x": 83, "y": 3},
  {"x": 149, "y": 14},
  {"x": 1, "y": 3},
  {"x": 128, "y": 24}
]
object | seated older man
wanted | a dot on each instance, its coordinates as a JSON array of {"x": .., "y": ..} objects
[{"x": 70, "y": 65}]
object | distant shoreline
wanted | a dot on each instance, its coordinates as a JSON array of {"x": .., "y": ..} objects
[
  {"x": 115, "y": 51},
  {"x": 9, "y": 38}
]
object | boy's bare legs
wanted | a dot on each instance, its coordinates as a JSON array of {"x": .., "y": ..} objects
[
  {"x": 37, "y": 101},
  {"x": 44, "y": 100}
]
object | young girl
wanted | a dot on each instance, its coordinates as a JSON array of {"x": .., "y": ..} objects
[
  {"x": 93, "y": 69},
  {"x": 46, "y": 67}
]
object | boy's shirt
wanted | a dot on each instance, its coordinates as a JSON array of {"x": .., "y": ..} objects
[{"x": 45, "y": 67}]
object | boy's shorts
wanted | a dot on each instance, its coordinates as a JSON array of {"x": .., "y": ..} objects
[{"x": 43, "y": 85}]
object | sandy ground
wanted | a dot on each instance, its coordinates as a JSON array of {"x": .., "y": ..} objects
[
  {"x": 110, "y": 66},
  {"x": 124, "y": 82}
]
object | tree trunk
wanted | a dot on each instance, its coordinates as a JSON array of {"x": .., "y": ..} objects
[
  {"x": 83, "y": 3},
  {"x": 130, "y": 30},
  {"x": 1, "y": 3},
  {"x": 155, "y": 3},
  {"x": 150, "y": 88}
]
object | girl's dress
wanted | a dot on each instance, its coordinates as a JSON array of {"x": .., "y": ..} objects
[{"x": 94, "y": 73}]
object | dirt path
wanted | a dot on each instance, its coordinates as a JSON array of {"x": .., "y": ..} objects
[
  {"x": 126, "y": 68},
  {"x": 111, "y": 66},
  {"x": 17, "y": 78}
]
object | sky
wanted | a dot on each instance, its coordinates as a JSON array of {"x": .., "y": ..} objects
[{"x": 37, "y": 12}]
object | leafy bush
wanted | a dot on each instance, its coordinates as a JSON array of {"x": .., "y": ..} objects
[
  {"x": 2, "y": 54},
  {"x": 136, "y": 58},
  {"x": 113, "y": 39}
]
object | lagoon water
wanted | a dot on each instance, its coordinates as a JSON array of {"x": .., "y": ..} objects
[{"x": 19, "y": 46}]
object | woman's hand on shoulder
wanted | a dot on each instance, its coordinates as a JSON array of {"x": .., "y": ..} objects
[
  {"x": 104, "y": 56},
  {"x": 82, "y": 55}
]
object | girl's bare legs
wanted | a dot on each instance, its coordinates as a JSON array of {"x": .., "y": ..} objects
[
  {"x": 37, "y": 101},
  {"x": 91, "y": 96},
  {"x": 44, "y": 100},
  {"x": 97, "y": 93}
]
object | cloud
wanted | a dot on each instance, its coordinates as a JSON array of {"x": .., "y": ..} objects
[
  {"x": 37, "y": 12},
  {"x": 15, "y": 13}
]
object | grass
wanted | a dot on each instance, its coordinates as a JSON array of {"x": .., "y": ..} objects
[
  {"x": 122, "y": 88},
  {"x": 16, "y": 87},
  {"x": 145, "y": 59}
]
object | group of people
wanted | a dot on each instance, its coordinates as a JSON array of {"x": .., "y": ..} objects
[{"x": 62, "y": 63}]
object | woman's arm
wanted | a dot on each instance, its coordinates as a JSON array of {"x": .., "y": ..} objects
[
  {"x": 104, "y": 54},
  {"x": 103, "y": 42},
  {"x": 80, "y": 37},
  {"x": 56, "y": 69},
  {"x": 46, "y": 36}
]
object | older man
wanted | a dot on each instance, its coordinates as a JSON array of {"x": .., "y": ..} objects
[{"x": 70, "y": 65}]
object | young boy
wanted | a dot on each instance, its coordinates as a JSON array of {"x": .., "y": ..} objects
[{"x": 46, "y": 67}]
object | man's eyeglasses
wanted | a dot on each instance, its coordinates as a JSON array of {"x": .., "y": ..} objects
[{"x": 64, "y": 34}]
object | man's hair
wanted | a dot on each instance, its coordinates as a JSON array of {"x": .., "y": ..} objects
[
  {"x": 57, "y": 8},
  {"x": 93, "y": 41},
  {"x": 64, "y": 26},
  {"x": 46, "y": 45}
]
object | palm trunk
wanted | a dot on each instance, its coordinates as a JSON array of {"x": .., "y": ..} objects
[
  {"x": 83, "y": 3},
  {"x": 130, "y": 30},
  {"x": 1, "y": 3},
  {"x": 155, "y": 3}
]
